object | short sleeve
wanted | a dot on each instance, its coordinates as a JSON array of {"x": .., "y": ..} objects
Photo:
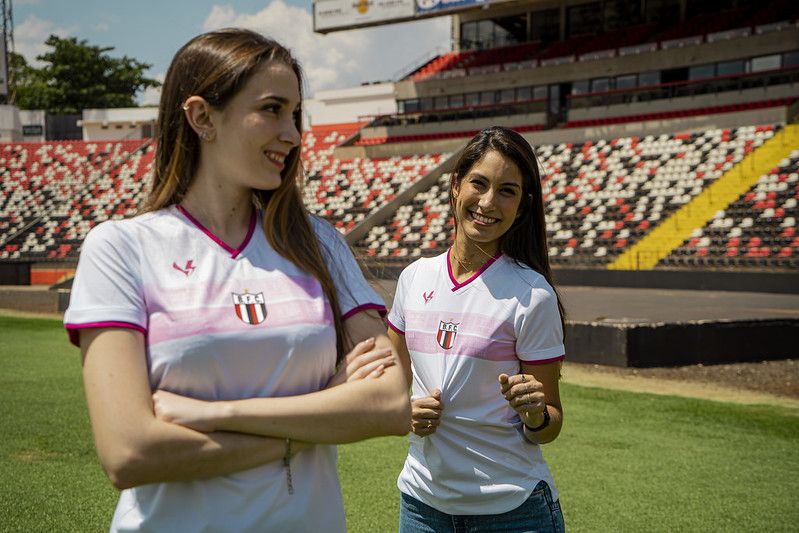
[
  {"x": 354, "y": 292},
  {"x": 107, "y": 289},
  {"x": 539, "y": 333},
  {"x": 396, "y": 317}
]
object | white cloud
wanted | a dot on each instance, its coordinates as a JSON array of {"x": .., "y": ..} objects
[
  {"x": 152, "y": 96},
  {"x": 29, "y": 37},
  {"x": 339, "y": 59}
]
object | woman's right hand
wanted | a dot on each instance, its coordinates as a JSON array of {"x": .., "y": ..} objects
[
  {"x": 426, "y": 414},
  {"x": 362, "y": 362}
]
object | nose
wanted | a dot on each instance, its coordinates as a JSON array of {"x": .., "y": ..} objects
[
  {"x": 486, "y": 199},
  {"x": 290, "y": 134}
]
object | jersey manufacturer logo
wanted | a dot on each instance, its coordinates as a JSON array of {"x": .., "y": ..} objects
[
  {"x": 446, "y": 334},
  {"x": 188, "y": 269},
  {"x": 427, "y": 296},
  {"x": 250, "y": 308}
]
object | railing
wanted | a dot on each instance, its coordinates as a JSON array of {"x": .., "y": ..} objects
[{"x": 735, "y": 82}]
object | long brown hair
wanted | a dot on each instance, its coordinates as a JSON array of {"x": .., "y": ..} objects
[
  {"x": 215, "y": 66},
  {"x": 526, "y": 240}
]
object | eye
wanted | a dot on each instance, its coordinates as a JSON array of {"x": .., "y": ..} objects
[
  {"x": 508, "y": 191},
  {"x": 271, "y": 108}
]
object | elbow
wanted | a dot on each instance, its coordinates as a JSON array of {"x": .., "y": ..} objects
[{"x": 125, "y": 467}]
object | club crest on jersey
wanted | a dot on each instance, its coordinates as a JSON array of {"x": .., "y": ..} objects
[
  {"x": 446, "y": 334},
  {"x": 250, "y": 308}
]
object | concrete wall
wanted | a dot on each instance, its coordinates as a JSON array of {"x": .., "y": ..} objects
[
  {"x": 10, "y": 127},
  {"x": 454, "y": 125},
  {"x": 351, "y": 105},
  {"x": 120, "y": 123}
]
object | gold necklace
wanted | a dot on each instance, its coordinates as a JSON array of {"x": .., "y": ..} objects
[{"x": 466, "y": 267}]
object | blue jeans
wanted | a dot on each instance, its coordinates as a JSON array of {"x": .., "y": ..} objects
[{"x": 538, "y": 514}]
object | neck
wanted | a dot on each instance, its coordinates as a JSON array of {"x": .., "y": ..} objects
[
  {"x": 468, "y": 256},
  {"x": 225, "y": 211}
]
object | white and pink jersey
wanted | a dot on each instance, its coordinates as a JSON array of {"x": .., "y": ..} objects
[
  {"x": 222, "y": 324},
  {"x": 461, "y": 337}
]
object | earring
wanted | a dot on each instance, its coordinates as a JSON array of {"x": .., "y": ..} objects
[{"x": 206, "y": 136}]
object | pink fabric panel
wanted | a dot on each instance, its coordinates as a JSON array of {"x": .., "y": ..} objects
[
  {"x": 464, "y": 345},
  {"x": 280, "y": 288},
  {"x": 167, "y": 326},
  {"x": 470, "y": 323}
]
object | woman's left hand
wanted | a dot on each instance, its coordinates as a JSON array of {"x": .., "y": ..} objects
[
  {"x": 185, "y": 411},
  {"x": 525, "y": 395}
]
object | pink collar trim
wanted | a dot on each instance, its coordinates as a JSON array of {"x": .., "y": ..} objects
[
  {"x": 455, "y": 284},
  {"x": 234, "y": 252}
]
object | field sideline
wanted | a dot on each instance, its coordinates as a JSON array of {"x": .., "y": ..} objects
[{"x": 626, "y": 461}]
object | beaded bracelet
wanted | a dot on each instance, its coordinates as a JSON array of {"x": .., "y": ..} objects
[{"x": 287, "y": 466}]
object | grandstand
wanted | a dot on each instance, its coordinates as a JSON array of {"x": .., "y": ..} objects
[{"x": 664, "y": 129}]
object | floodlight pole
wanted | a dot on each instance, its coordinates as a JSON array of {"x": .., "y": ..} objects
[{"x": 8, "y": 39}]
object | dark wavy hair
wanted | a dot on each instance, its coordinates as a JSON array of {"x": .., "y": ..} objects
[
  {"x": 526, "y": 240},
  {"x": 216, "y": 66}
]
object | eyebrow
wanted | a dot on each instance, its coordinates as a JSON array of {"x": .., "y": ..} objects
[
  {"x": 506, "y": 184},
  {"x": 280, "y": 99}
]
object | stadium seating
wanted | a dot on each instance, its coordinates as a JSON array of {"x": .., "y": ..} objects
[
  {"x": 345, "y": 191},
  {"x": 757, "y": 230},
  {"x": 601, "y": 196},
  {"x": 746, "y": 17},
  {"x": 43, "y": 184}
]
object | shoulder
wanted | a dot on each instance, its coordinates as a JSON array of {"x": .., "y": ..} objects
[
  {"x": 123, "y": 234},
  {"x": 533, "y": 284},
  {"x": 422, "y": 266}
]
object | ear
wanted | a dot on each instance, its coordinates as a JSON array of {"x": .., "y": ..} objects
[
  {"x": 456, "y": 186},
  {"x": 198, "y": 115}
]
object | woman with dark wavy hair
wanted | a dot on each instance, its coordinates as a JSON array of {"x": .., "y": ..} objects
[
  {"x": 481, "y": 326},
  {"x": 228, "y": 337}
]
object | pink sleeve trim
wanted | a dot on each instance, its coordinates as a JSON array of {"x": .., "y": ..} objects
[
  {"x": 74, "y": 329},
  {"x": 355, "y": 310},
  {"x": 545, "y": 361},
  {"x": 395, "y": 328}
]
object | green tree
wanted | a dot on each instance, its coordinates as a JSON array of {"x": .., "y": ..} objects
[{"x": 77, "y": 76}]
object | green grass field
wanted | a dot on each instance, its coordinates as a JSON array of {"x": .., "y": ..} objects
[{"x": 624, "y": 462}]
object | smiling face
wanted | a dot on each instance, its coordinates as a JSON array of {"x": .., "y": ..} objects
[
  {"x": 256, "y": 130},
  {"x": 487, "y": 200}
]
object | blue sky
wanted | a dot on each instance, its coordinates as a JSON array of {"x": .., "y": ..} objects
[{"x": 152, "y": 31}]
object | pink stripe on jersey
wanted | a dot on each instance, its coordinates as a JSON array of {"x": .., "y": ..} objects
[
  {"x": 172, "y": 325},
  {"x": 233, "y": 251},
  {"x": 280, "y": 287},
  {"x": 381, "y": 309},
  {"x": 463, "y": 345},
  {"x": 73, "y": 330},
  {"x": 468, "y": 323},
  {"x": 455, "y": 284}
]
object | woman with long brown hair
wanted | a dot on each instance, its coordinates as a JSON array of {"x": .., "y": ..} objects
[
  {"x": 481, "y": 326},
  {"x": 225, "y": 310}
]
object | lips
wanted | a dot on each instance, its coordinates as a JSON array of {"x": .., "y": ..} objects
[
  {"x": 277, "y": 158},
  {"x": 482, "y": 219}
]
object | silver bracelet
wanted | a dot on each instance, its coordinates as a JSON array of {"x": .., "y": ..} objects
[{"x": 287, "y": 466}]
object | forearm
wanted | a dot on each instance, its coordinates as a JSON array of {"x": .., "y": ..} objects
[
  {"x": 547, "y": 434},
  {"x": 346, "y": 413},
  {"x": 163, "y": 452}
]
